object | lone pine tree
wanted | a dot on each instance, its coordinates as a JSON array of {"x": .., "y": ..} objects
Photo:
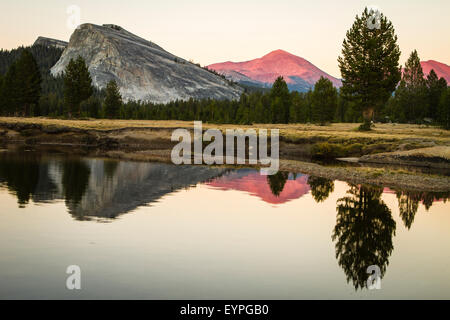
[{"x": 369, "y": 64}]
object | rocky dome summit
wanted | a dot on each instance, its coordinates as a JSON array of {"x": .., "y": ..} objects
[{"x": 142, "y": 69}]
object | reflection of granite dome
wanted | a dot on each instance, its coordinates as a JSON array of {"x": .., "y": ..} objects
[
  {"x": 134, "y": 184},
  {"x": 111, "y": 188}
]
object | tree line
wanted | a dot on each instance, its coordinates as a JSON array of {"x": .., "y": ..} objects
[{"x": 375, "y": 88}]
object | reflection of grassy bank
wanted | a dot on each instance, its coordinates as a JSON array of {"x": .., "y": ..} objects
[{"x": 393, "y": 178}]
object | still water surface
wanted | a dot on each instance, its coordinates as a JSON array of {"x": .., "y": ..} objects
[{"x": 157, "y": 231}]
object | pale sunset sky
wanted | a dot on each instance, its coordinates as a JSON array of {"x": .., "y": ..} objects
[{"x": 211, "y": 31}]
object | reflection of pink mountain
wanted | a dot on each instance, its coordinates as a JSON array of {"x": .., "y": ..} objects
[{"x": 257, "y": 185}]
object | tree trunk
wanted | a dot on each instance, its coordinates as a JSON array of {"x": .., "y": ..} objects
[
  {"x": 368, "y": 117},
  {"x": 25, "y": 111}
]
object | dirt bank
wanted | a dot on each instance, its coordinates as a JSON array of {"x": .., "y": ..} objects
[{"x": 433, "y": 157}]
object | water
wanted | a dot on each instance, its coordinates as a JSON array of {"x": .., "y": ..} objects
[{"x": 157, "y": 231}]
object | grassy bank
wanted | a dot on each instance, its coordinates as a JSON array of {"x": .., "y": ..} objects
[
  {"x": 150, "y": 141},
  {"x": 322, "y": 142},
  {"x": 293, "y": 132}
]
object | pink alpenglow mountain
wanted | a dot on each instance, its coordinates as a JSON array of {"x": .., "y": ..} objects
[
  {"x": 265, "y": 70},
  {"x": 441, "y": 69}
]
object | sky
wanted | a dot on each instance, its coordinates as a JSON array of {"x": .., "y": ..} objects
[{"x": 212, "y": 31}]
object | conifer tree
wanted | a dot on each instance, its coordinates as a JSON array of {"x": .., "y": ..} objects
[
  {"x": 113, "y": 100},
  {"x": 294, "y": 109},
  {"x": 280, "y": 101},
  {"x": 29, "y": 81},
  {"x": 444, "y": 109},
  {"x": 77, "y": 85},
  {"x": 369, "y": 64},
  {"x": 324, "y": 101},
  {"x": 413, "y": 73},
  {"x": 412, "y": 92},
  {"x": 435, "y": 87},
  {"x": 11, "y": 92},
  {"x": 2, "y": 96},
  {"x": 259, "y": 112}
]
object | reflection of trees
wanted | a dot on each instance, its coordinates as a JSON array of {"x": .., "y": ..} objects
[
  {"x": 364, "y": 230},
  {"x": 408, "y": 203},
  {"x": 27, "y": 175},
  {"x": 407, "y": 206},
  {"x": 20, "y": 172},
  {"x": 320, "y": 188},
  {"x": 75, "y": 180},
  {"x": 429, "y": 197},
  {"x": 110, "y": 167},
  {"x": 277, "y": 182}
]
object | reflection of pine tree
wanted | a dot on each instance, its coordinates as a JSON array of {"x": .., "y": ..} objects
[
  {"x": 75, "y": 180},
  {"x": 407, "y": 206},
  {"x": 429, "y": 197},
  {"x": 408, "y": 203},
  {"x": 320, "y": 188},
  {"x": 363, "y": 233},
  {"x": 277, "y": 182},
  {"x": 110, "y": 167}
]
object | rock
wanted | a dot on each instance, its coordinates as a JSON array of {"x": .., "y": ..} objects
[
  {"x": 142, "y": 69},
  {"x": 50, "y": 42},
  {"x": 349, "y": 159}
]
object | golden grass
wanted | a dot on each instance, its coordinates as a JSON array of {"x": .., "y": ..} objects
[{"x": 438, "y": 151}]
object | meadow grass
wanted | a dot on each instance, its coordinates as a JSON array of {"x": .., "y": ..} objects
[{"x": 334, "y": 133}]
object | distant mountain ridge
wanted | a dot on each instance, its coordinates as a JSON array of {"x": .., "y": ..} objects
[
  {"x": 143, "y": 70},
  {"x": 300, "y": 74},
  {"x": 441, "y": 69},
  {"x": 49, "y": 42}
]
